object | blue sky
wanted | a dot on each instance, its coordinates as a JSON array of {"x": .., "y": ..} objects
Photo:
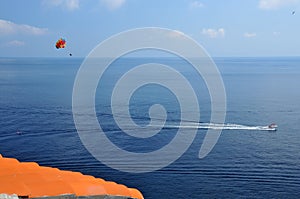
[{"x": 223, "y": 28}]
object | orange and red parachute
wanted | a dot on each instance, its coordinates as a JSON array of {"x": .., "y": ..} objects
[{"x": 61, "y": 43}]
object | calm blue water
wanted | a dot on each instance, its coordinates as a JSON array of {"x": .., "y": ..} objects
[{"x": 36, "y": 100}]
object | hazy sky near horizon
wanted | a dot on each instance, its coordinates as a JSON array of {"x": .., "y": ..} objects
[{"x": 223, "y": 28}]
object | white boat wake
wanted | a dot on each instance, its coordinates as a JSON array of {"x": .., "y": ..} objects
[
  {"x": 228, "y": 126},
  {"x": 158, "y": 124}
]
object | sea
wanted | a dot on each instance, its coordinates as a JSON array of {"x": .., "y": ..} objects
[{"x": 37, "y": 125}]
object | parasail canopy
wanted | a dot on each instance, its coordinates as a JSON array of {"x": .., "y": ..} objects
[{"x": 61, "y": 43}]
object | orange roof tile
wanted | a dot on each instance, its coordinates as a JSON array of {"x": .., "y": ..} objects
[
  {"x": 30, "y": 179},
  {"x": 135, "y": 193}
]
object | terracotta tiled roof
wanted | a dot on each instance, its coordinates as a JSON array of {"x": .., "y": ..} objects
[{"x": 28, "y": 179}]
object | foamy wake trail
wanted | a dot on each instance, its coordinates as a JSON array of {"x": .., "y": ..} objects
[{"x": 215, "y": 126}]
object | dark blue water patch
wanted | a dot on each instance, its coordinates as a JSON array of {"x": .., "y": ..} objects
[
  {"x": 139, "y": 105},
  {"x": 35, "y": 82},
  {"x": 121, "y": 66}
]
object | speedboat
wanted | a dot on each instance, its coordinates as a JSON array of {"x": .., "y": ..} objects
[{"x": 273, "y": 126}]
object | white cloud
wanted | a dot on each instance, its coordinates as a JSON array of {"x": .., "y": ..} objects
[
  {"x": 275, "y": 4},
  {"x": 8, "y": 27},
  {"x": 72, "y": 4},
  {"x": 68, "y": 4},
  {"x": 15, "y": 43},
  {"x": 249, "y": 35},
  {"x": 113, "y": 4},
  {"x": 213, "y": 33},
  {"x": 196, "y": 4}
]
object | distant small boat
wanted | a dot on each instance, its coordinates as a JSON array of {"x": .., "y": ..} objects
[{"x": 273, "y": 126}]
